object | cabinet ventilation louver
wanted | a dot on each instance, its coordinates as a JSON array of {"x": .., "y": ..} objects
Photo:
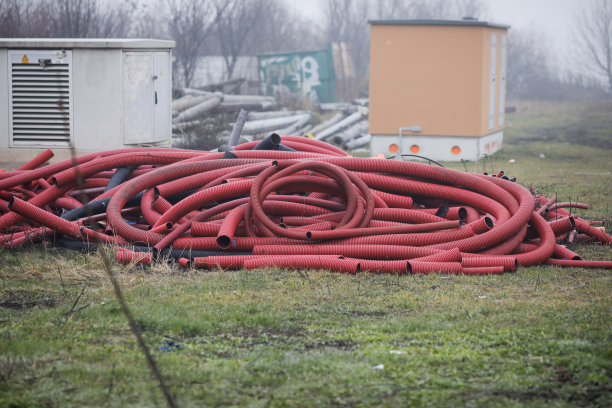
[{"x": 40, "y": 98}]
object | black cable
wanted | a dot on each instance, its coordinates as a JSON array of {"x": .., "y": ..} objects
[
  {"x": 119, "y": 177},
  {"x": 416, "y": 155}
]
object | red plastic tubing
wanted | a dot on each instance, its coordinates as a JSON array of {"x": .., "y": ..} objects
[{"x": 313, "y": 208}]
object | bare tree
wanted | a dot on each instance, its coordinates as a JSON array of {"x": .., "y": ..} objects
[
  {"x": 237, "y": 21},
  {"x": 283, "y": 29},
  {"x": 147, "y": 21},
  {"x": 468, "y": 8},
  {"x": 347, "y": 21},
  {"x": 75, "y": 18},
  {"x": 593, "y": 37},
  {"x": 530, "y": 72},
  {"x": 12, "y": 17},
  {"x": 428, "y": 9},
  {"x": 190, "y": 24},
  {"x": 65, "y": 18},
  {"x": 82, "y": 18},
  {"x": 435, "y": 9}
]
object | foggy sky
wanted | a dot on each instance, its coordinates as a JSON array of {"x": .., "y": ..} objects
[{"x": 550, "y": 19}]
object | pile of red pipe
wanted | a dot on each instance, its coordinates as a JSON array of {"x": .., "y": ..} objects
[{"x": 301, "y": 204}]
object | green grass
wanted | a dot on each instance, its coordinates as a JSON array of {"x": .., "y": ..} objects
[{"x": 539, "y": 337}]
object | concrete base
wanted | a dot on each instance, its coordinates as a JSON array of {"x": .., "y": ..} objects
[
  {"x": 13, "y": 158},
  {"x": 441, "y": 148}
]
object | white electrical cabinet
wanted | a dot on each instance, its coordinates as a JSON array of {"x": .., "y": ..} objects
[{"x": 83, "y": 94}]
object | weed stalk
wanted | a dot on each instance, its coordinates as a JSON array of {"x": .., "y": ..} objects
[{"x": 119, "y": 294}]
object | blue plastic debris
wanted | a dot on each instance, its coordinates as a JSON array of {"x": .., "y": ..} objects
[{"x": 170, "y": 346}]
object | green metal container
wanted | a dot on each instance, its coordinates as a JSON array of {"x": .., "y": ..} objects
[{"x": 310, "y": 73}]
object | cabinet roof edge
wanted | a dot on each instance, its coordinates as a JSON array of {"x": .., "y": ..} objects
[
  {"x": 454, "y": 23},
  {"x": 122, "y": 43}
]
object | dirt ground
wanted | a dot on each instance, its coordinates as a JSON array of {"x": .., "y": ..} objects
[{"x": 10, "y": 166}]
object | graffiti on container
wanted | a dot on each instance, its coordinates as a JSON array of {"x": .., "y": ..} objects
[{"x": 290, "y": 74}]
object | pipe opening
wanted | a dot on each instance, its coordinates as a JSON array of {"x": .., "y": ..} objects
[
  {"x": 275, "y": 139},
  {"x": 184, "y": 262},
  {"x": 309, "y": 235},
  {"x": 442, "y": 211},
  {"x": 224, "y": 241},
  {"x": 489, "y": 222},
  {"x": 463, "y": 214}
]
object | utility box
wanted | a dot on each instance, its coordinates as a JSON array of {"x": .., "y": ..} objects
[
  {"x": 437, "y": 87},
  {"x": 85, "y": 94}
]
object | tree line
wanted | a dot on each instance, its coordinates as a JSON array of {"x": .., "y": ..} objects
[{"x": 233, "y": 28}]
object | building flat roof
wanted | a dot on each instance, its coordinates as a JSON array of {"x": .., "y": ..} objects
[
  {"x": 125, "y": 43},
  {"x": 457, "y": 23}
]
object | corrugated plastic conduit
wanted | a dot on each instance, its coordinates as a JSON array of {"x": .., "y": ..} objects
[{"x": 288, "y": 202}]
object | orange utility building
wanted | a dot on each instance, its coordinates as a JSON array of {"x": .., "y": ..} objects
[{"x": 437, "y": 87}]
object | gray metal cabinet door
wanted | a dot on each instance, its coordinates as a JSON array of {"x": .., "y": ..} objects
[
  {"x": 138, "y": 97},
  {"x": 492, "y": 82},
  {"x": 162, "y": 87}
]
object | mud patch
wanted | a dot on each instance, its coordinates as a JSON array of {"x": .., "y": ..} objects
[
  {"x": 339, "y": 344},
  {"x": 366, "y": 313},
  {"x": 577, "y": 396},
  {"x": 269, "y": 332},
  {"x": 27, "y": 299}
]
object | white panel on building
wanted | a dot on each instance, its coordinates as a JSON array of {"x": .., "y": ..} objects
[
  {"x": 492, "y": 84},
  {"x": 502, "y": 80}
]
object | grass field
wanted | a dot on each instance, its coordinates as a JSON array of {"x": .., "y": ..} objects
[{"x": 539, "y": 337}]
